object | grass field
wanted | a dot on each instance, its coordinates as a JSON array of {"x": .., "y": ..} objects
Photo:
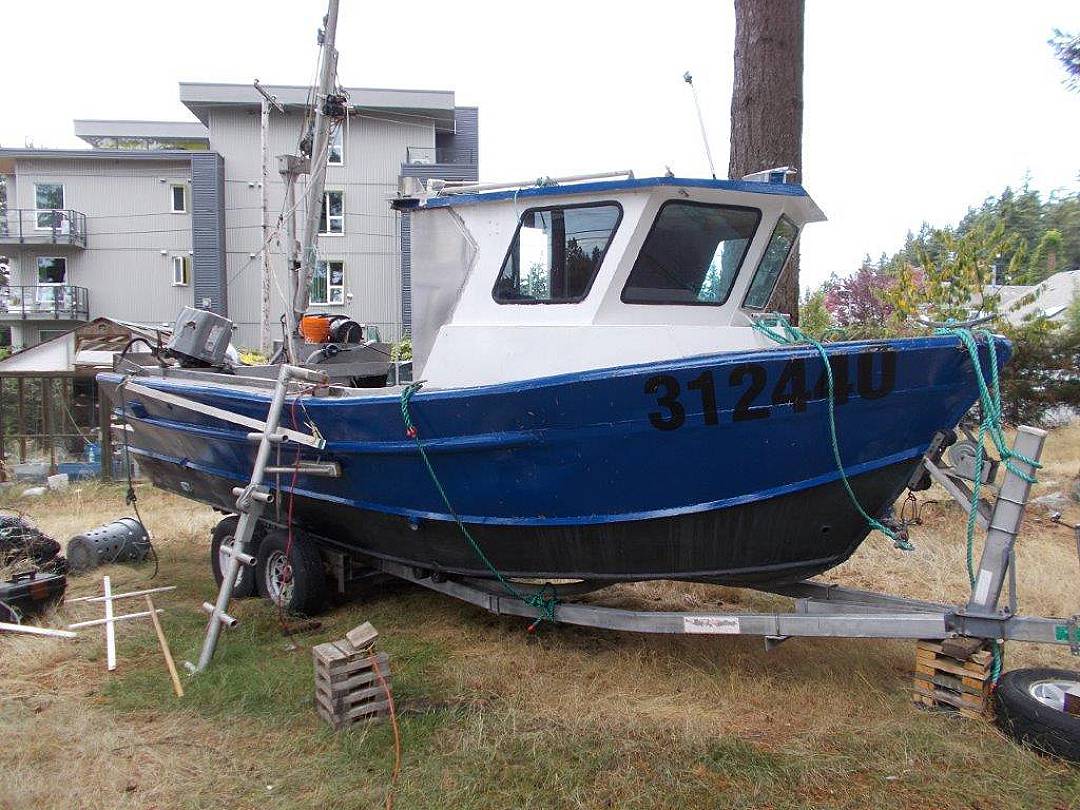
[{"x": 494, "y": 718}]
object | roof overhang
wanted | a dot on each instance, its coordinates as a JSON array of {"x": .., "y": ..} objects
[
  {"x": 90, "y": 129},
  {"x": 437, "y": 105},
  {"x": 100, "y": 154}
]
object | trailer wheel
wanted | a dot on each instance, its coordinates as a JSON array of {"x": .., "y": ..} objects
[
  {"x": 1030, "y": 707},
  {"x": 296, "y": 581},
  {"x": 222, "y": 534}
]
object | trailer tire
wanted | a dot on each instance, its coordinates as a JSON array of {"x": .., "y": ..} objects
[
  {"x": 296, "y": 581},
  {"x": 1025, "y": 702},
  {"x": 223, "y": 533}
]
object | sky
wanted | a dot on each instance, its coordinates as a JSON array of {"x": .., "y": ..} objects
[{"x": 913, "y": 111}]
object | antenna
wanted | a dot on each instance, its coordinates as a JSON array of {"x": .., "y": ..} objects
[{"x": 704, "y": 136}]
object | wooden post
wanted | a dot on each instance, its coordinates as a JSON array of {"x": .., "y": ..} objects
[
  {"x": 47, "y": 420},
  {"x": 22, "y": 420},
  {"x": 165, "y": 651},
  {"x": 105, "y": 425}
]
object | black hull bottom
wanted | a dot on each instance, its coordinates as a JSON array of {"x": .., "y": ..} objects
[{"x": 782, "y": 539}]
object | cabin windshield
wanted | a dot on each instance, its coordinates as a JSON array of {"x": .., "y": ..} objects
[
  {"x": 692, "y": 254},
  {"x": 556, "y": 253},
  {"x": 772, "y": 262}
]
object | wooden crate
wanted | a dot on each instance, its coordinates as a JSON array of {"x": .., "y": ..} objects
[
  {"x": 347, "y": 685},
  {"x": 947, "y": 681}
]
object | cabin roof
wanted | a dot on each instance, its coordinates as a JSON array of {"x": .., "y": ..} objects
[{"x": 591, "y": 187}]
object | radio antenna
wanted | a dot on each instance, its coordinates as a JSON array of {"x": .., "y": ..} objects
[{"x": 701, "y": 121}]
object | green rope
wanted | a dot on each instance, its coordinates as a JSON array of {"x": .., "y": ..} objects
[
  {"x": 791, "y": 336},
  {"x": 543, "y": 601},
  {"x": 989, "y": 424}
]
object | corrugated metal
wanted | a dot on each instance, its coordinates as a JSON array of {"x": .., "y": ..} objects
[{"x": 208, "y": 232}]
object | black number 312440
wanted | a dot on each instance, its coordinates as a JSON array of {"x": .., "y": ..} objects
[{"x": 791, "y": 388}]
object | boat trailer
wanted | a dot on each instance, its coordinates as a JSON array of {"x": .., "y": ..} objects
[{"x": 825, "y": 610}]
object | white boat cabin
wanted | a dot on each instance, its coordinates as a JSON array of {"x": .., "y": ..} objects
[{"x": 526, "y": 282}]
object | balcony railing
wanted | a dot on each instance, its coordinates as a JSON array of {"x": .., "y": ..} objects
[
  {"x": 58, "y": 302},
  {"x": 42, "y": 226},
  {"x": 428, "y": 155}
]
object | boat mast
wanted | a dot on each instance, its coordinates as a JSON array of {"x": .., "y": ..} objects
[{"x": 301, "y": 277}]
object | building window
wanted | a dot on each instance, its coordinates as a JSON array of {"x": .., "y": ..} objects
[
  {"x": 45, "y": 335},
  {"x": 49, "y": 199},
  {"x": 181, "y": 271},
  {"x": 51, "y": 270},
  {"x": 335, "y": 155},
  {"x": 332, "y": 219},
  {"x": 692, "y": 254},
  {"x": 556, "y": 254},
  {"x": 178, "y": 198},
  {"x": 328, "y": 283},
  {"x": 772, "y": 262}
]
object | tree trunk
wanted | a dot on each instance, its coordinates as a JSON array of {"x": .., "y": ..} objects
[{"x": 767, "y": 106}]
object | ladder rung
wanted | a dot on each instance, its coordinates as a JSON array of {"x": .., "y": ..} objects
[
  {"x": 222, "y": 617},
  {"x": 273, "y": 438}
]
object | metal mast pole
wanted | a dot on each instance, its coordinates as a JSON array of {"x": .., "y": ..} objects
[
  {"x": 316, "y": 180},
  {"x": 267, "y": 270}
]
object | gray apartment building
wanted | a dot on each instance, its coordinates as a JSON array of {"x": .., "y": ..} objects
[{"x": 155, "y": 216}]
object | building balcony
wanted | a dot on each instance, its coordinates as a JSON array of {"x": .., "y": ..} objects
[
  {"x": 427, "y": 162},
  {"x": 48, "y": 226},
  {"x": 45, "y": 302}
]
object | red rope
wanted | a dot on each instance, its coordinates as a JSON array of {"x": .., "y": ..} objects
[{"x": 397, "y": 733}]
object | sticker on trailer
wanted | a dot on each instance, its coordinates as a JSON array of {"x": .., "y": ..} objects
[
  {"x": 721, "y": 625},
  {"x": 982, "y": 585}
]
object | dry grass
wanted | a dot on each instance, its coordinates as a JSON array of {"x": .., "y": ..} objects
[{"x": 495, "y": 718}]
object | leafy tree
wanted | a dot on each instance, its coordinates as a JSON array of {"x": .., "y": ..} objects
[
  {"x": 814, "y": 317},
  {"x": 860, "y": 304},
  {"x": 1067, "y": 49}
]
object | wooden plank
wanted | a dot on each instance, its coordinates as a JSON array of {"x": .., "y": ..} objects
[
  {"x": 973, "y": 685},
  {"x": 983, "y": 657},
  {"x": 362, "y": 636},
  {"x": 352, "y": 664},
  {"x": 327, "y": 653},
  {"x": 350, "y": 681},
  {"x": 339, "y": 703},
  {"x": 354, "y": 692},
  {"x": 949, "y": 665},
  {"x": 30, "y": 630},
  {"x": 120, "y": 595},
  {"x": 960, "y": 701}
]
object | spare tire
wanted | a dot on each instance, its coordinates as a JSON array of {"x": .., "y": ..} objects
[{"x": 1030, "y": 708}]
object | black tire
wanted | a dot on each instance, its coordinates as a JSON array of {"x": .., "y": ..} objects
[
  {"x": 1030, "y": 721},
  {"x": 223, "y": 532},
  {"x": 308, "y": 578}
]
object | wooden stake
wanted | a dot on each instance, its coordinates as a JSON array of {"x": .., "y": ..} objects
[
  {"x": 110, "y": 629},
  {"x": 165, "y": 648}
]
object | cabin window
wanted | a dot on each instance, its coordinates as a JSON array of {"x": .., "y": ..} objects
[
  {"x": 772, "y": 262},
  {"x": 328, "y": 283},
  {"x": 556, "y": 253},
  {"x": 332, "y": 215},
  {"x": 692, "y": 254}
]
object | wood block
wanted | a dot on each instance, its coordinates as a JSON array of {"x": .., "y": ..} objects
[
  {"x": 1072, "y": 700},
  {"x": 969, "y": 670},
  {"x": 362, "y": 636}
]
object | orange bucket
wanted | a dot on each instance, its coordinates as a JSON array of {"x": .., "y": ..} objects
[{"x": 315, "y": 328}]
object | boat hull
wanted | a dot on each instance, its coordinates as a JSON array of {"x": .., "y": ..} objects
[{"x": 717, "y": 467}]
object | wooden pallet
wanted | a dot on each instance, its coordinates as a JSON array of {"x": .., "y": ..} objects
[
  {"x": 951, "y": 680},
  {"x": 348, "y": 688}
]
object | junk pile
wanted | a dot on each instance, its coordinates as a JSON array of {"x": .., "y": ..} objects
[{"x": 23, "y": 544}]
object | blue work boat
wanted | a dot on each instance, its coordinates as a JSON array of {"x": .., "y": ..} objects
[{"x": 599, "y": 400}]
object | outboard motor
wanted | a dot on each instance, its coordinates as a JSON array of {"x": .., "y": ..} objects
[{"x": 200, "y": 339}]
